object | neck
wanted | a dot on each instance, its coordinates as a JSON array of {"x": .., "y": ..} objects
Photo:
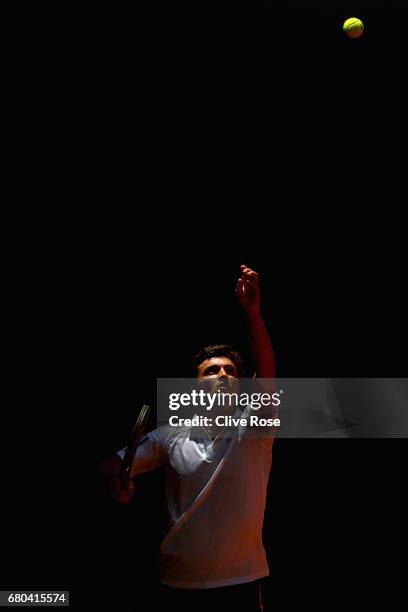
[{"x": 215, "y": 430}]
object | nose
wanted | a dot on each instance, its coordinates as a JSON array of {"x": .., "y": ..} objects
[{"x": 222, "y": 373}]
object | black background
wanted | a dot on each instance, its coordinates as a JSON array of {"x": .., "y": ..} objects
[{"x": 194, "y": 140}]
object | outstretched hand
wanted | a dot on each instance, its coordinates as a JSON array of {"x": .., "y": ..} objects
[{"x": 247, "y": 291}]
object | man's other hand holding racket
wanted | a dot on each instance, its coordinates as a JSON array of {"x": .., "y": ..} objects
[
  {"x": 110, "y": 470},
  {"x": 115, "y": 472}
]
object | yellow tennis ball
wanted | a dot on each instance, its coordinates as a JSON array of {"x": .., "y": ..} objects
[{"x": 353, "y": 27}]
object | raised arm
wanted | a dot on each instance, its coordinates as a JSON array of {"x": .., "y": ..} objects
[{"x": 249, "y": 296}]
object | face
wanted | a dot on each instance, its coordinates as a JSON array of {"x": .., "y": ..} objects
[{"x": 218, "y": 374}]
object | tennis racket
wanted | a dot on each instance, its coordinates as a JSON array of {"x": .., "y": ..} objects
[{"x": 137, "y": 433}]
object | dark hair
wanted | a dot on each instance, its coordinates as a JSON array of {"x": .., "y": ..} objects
[{"x": 220, "y": 350}]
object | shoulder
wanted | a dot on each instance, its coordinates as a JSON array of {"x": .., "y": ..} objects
[
  {"x": 257, "y": 429},
  {"x": 166, "y": 436}
]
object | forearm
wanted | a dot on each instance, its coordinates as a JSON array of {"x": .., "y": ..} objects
[{"x": 260, "y": 345}]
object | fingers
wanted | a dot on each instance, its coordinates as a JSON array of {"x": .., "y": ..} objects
[
  {"x": 240, "y": 288},
  {"x": 123, "y": 496},
  {"x": 249, "y": 275}
]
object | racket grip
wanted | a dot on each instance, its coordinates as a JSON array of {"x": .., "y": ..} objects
[{"x": 124, "y": 478}]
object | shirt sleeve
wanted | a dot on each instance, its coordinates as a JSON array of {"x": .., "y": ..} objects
[{"x": 150, "y": 454}]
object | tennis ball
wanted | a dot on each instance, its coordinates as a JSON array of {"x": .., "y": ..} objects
[{"x": 353, "y": 27}]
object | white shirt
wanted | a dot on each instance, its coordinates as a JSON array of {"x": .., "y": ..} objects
[{"x": 216, "y": 499}]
